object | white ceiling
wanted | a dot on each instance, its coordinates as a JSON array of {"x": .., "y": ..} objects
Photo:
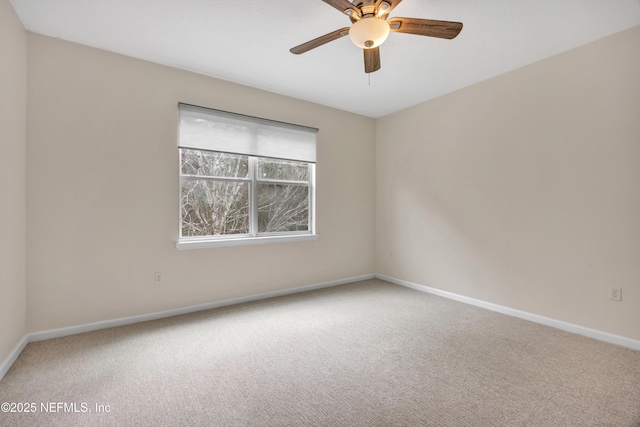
[{"x": 248, "y": 42}]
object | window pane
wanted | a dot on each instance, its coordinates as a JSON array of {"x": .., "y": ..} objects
[
  {"x": 211, "y": 208},
  {"x": 208, "y": 163},
  {"x": 283, "y": 207},
  {"x": 288, "y": 170}
]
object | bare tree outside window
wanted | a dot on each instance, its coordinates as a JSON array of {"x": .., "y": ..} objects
[
  {"x": 213, "y": 201},
  {"x": 283, "y": 203},
  {"x": 217, "y": 194}
]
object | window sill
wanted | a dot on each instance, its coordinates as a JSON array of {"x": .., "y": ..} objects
[{"x": 202, "y": 244}]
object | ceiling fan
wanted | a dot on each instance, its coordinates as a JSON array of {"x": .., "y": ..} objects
[{"x": 371, "y": 27}]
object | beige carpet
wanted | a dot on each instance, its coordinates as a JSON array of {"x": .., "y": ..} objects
[{"x": 364, "y": 354}]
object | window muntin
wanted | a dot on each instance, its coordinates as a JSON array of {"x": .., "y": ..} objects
[{"x": 233, "y": 196}]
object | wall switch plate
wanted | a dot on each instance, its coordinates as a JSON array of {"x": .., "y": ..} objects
[
  {"x": 615, "y": 294},
  {"x": 159, "y": 278}
]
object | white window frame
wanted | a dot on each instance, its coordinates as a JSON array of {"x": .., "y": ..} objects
[{"x": 253, "y": 237}]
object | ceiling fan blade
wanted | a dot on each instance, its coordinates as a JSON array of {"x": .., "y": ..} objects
[
  {"x": 311, "y": 44},
  {"x": 383, "y": 13},
  {"x": 343, "y": 6},
  {"x": 371, "y": 59},
  {"x": 426, "y": 27}
]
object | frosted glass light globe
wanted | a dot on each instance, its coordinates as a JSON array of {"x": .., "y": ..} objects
[{"x": 370, "y": 32}]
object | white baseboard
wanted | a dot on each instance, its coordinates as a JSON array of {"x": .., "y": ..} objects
[
  {"x": 72, "y": 330},
  {"x": 558, "y": 324},
  {"x": 11, "y": 358},
  {"x": 89, "y": 327}
]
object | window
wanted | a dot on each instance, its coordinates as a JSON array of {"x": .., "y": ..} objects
[{"x": 244, "y": 180}]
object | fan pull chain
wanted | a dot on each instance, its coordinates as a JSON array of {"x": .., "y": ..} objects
[{"x": 369, "y": 75}]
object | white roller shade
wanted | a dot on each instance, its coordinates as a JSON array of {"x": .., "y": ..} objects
[{"x": 214, "y": 130}]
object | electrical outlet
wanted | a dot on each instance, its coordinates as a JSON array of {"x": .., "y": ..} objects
[
  {"x": 615, "y": 294},
  {"x": 159, "y": 277}
]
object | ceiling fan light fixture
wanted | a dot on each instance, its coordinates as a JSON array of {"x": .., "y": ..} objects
[{"x": 368, "y": 33}]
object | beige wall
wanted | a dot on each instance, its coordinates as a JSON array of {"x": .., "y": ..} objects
[
  {"x": 102, "y": 168},
  {"x": 523, "y": 190},
  {"x": 13, "y": 96}
]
